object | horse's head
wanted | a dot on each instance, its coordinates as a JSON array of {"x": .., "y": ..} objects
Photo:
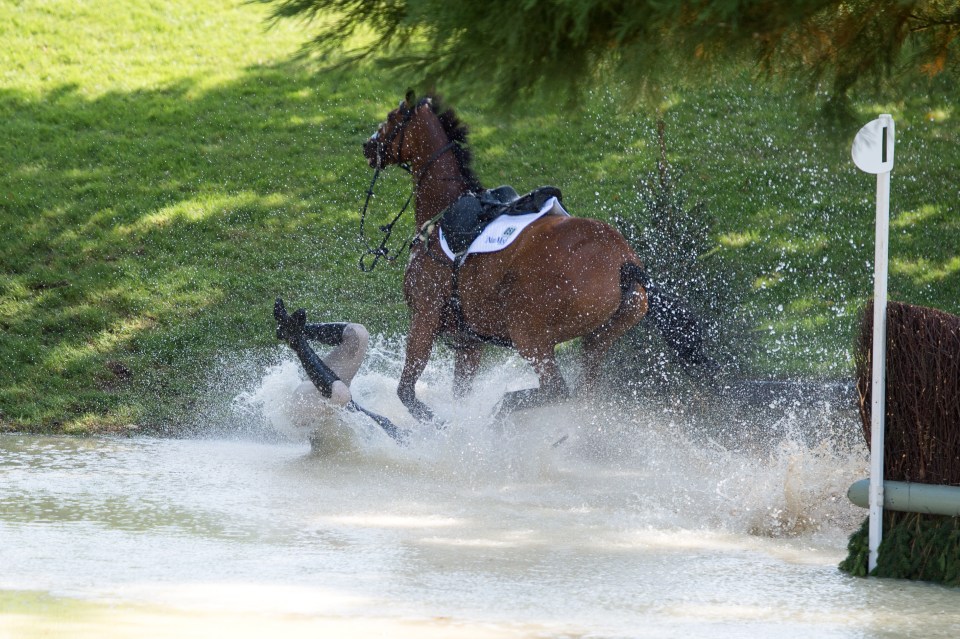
[
  {"x": 428, "y": 140},
  {"x": 388, "y": 145}
]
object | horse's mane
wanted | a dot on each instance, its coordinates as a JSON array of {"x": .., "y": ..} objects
[{"x": 456, "y": 131}]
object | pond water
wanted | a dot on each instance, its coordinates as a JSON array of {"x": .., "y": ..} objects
[{"x": 645, "y": 521}]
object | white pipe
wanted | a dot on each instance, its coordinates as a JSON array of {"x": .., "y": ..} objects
[{"x": 911, "y": 497}]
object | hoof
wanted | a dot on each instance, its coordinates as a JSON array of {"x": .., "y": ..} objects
[
  {"x": 526, "y": 398},
  {"x": 515, "y": 400},
  {"x": 422, "y": 413}
]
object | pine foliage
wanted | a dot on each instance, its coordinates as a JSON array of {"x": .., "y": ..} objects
[{"x": 511, "y": 47}]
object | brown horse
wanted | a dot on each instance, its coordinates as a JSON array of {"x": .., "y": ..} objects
[{"x": 562, "y": 278}]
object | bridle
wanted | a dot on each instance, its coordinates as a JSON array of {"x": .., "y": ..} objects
[
  {"x": 382, "y": 146},
  {"x": 401, "y": 129}
]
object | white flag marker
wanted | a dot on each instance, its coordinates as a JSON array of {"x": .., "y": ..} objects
[{"x": 873, "y": 153}]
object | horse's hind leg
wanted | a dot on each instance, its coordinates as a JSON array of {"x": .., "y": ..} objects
[
  {"x": 595, "y": 347},
  {"x": 466, "y": 363},
  {"x": 552, "y": 387},
  {"x": 598, "y": 342}
]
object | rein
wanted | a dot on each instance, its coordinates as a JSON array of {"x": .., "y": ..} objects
[
  {"x": 387, "y": 230},
  {"x": 382, "y": 251}
]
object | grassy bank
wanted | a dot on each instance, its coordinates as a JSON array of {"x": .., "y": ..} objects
[{"x": 169, "y": 169}]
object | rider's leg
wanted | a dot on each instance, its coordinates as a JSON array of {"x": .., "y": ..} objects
[
  {"x": 291, "y": 329},
  {"x": 351, "y": 342},
  {"x": 323, "y": 377},
  {"x": 328, "y": 333}
]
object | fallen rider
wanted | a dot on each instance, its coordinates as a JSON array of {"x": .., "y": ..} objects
[{"x": 332, "y": 374}]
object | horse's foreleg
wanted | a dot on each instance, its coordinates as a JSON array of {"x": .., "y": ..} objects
[
  {"x": 466, "y": 362},
  {"x": 419, "y": 345}
]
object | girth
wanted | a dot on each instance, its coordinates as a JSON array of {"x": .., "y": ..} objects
[{"x": 463, "y": 331}]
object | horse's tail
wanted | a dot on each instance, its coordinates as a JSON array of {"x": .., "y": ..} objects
[{"x": 673, "y": 318}]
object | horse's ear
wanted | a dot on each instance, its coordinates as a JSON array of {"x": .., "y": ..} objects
[{"x": 410, "y": 98}]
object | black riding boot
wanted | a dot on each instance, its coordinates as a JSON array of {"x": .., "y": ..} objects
[
  {"x": 327, "y": 333},
  {"x": 292, "y": 329}
]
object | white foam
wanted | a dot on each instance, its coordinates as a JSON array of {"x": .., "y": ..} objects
[{"x": 642, "y": 459}]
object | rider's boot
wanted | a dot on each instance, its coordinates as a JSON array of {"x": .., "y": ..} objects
[{"x": 291, "y": 329}]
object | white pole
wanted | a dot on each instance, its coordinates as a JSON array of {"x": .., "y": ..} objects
[
  {"x": 873, "y": 153},
  {"x": 878, "y": 388}
]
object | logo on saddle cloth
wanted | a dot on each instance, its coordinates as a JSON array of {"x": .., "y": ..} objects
[{"x": 492, "y": 220}]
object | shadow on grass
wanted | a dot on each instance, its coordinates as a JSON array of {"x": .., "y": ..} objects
[{"x": 147, "y": 230}]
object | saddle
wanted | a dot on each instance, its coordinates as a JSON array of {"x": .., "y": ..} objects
[{"x": 466, "y": 218}]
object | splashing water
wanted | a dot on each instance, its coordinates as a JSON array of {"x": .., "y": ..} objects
[{"x": 789, "y": 477}]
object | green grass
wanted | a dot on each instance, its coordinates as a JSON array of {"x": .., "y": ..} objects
[{"x": 169, "y": 169}]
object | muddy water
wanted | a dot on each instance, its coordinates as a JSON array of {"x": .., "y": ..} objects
[{"x": 641, "y": 523}]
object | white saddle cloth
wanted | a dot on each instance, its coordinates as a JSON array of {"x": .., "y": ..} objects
[{"x": 504, "y": 229}]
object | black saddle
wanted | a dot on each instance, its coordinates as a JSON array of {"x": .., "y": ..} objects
[{"x": 466, "y": 218}]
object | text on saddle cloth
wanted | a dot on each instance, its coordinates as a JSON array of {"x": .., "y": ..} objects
[{"x": 500, "y": 232}]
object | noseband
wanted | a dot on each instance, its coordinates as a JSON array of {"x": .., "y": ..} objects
[{"x": 401, "y": 129}]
